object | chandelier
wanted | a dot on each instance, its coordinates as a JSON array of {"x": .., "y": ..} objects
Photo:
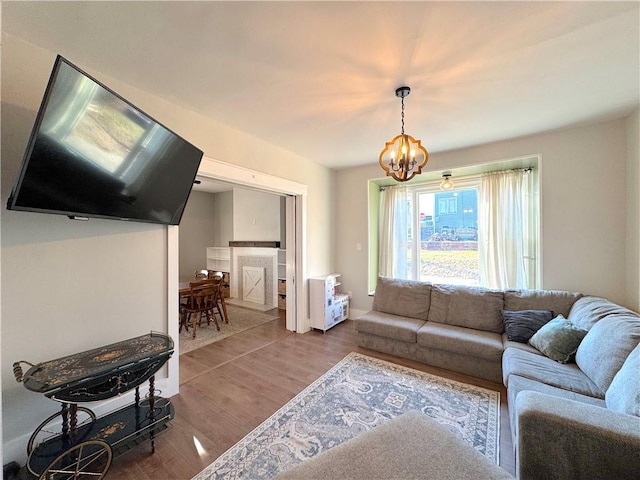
[{"x": 403, "y": 157}]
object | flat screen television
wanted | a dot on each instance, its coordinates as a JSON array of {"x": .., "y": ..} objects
[{"x": 92, "y": 153}]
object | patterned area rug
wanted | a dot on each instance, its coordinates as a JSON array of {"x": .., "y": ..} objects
[
  {"x": 240, "y": 319},
  {"x": 357, "y": 394}
]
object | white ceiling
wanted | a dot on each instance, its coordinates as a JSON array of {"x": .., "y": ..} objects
[{"x": 318, "y": 78}]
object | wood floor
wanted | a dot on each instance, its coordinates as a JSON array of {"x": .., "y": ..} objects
[{"x": 229, "y": 387}]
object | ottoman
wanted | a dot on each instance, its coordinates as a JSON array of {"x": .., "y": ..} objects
[{"x": 411, "y": 446}]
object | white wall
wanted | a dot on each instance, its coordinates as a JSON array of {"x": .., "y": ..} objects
[
  {"x": 633, "y": 211},
  {"x": 584, "y": 208},
  {"x": 69, "y": 286},
  {"x": 256, "y": 215}
]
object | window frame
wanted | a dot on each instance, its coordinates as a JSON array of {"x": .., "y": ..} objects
[{"x": 459, "y": 176}]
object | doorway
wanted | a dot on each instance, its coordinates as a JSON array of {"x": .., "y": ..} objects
[
  {"x": 296, "y": 194},
  {"x": 295, "y": 220}
]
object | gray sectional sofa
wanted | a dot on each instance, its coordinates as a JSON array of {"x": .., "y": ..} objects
[{"x": 574, "y": 420}]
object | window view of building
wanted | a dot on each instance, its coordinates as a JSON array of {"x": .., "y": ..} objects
[{"x": 448, "y": 247}]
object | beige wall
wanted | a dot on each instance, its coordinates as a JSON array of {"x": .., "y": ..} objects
[
  {"x": 256, "y": 215},
  {"x": 224, "y": 214},
  {"x": 198, "y": 229},
  {"x": 69, "y": 286},
  {"x": 584, "y": 209}
]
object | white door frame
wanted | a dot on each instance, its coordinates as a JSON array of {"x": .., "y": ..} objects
[
  {"x": 293, "y": 231},
  {"x": 297, "y": 320}
]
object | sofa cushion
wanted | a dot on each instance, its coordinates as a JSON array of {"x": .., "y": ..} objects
[
  {"x": 470, "y": 307},
  {"x": 464, "y": 341},
  {"x": 623, "y": 395},
  {"x": 557, "y": 300},
  {"x": 506, "y": 343},
  {"x": 407, "y": 298},
  {"x": 520, "y": 325},
  {"x": 563, "y": 439},
  {"x": 389, "y": 326},
  {"x": 587, "y": 311},
  {"x": 518, "y": 384},
  {"x": 558, "y": 339},
  {"x": 607, "y": 346},
  {"x": 542, "y": 369}
]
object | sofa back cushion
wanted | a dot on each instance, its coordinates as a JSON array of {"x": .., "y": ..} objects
[
  {"x": 607, "y": 345},
  {"x": 587, "y": 311},
  {"x": 623, "y": 395},
  {"x": 557, "y": 300},
  {"x": 471, "y": 307},
  {"x": 407, "y": 298}
]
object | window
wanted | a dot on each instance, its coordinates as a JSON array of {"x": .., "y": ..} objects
[
  {"x": 448, "y": 206},
  {"x": 484, "y": 232},
  {"x": 448, "y": 246}
]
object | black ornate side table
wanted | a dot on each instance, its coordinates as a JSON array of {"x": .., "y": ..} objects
[{"x": 74, "y": 443}]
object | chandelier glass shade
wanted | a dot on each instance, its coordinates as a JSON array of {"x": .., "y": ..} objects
[
  {"x": 446, "y": 183},
  {"x": 404, "y": 157}
]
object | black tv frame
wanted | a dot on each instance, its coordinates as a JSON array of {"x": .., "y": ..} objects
[{"x": 12, "y": 202}]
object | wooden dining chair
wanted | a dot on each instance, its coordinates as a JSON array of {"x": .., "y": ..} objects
[
  {"x": 200, "y": 303},
  {"x": 213, "y": 273},
  {"x": 201, "y": 274},
  {"x": 221, "y": 306}
]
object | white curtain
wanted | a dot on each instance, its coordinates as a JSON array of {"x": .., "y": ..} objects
[
  {"x": 394, "y": 230},
  {"x": 507, "y": 230}
]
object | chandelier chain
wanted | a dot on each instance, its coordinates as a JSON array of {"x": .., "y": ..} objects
[{"x": 402, "y": 115}]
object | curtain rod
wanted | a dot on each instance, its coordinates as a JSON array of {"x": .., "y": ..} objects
[
  {"x": 525, "y": 169},
  {"x": 466, "y": 177}
]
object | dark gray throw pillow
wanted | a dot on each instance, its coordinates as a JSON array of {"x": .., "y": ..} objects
[{"x": 520, "y": 325}]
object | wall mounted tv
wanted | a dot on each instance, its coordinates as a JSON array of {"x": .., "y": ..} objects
[{"x": 94, "y": 154}]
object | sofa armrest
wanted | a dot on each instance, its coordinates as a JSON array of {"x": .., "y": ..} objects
[{"x": 565, "y": 439}]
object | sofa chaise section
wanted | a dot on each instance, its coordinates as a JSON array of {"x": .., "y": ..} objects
[
  {"x": 584, "y": 414},
  {"x": 573, "y": 439}
]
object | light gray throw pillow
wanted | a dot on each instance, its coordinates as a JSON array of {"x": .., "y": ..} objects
[
  {"x": 558, "y": 339},
  {"x": 623, "y": 395}
]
